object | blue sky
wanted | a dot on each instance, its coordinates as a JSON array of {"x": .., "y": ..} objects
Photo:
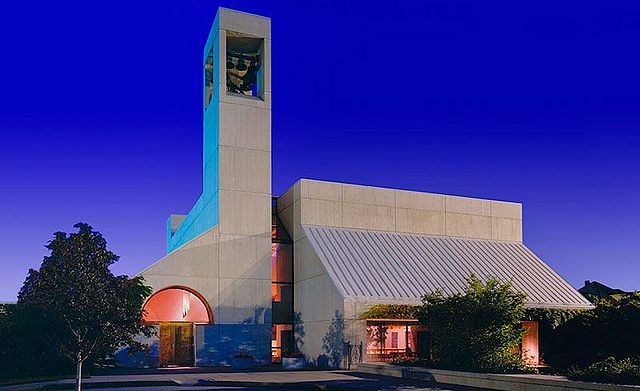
[{"x": 536, "y": 102}]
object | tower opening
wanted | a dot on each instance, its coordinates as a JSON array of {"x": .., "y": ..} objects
[{"x": 244, "y": 65}]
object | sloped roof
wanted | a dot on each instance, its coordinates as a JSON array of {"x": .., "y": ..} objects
[{"x": 400, "y": 268}]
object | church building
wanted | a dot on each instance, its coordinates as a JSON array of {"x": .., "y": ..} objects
[{"x": 248, "y": 272}]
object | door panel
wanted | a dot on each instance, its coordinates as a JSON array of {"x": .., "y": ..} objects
[
  {"x": 176, "y": 344},
  {"x": 184, "y": 344}
]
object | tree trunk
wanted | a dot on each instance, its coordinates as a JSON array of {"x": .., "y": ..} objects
[{"x": 79, "y": 373}]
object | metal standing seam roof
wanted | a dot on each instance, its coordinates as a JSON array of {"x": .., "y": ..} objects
[{"x": 400, "y": 268}]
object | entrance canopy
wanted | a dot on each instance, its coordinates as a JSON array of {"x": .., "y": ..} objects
[{"x": 177, "y": 304}]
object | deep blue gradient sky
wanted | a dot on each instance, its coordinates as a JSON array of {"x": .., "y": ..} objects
[{"x": 537, "y": 102}]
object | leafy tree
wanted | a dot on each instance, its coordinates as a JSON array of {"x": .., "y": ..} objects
[
  {"x": 478, "y": 330},
  {"x": 549, "y": 319},
  {"x": 377, "y": 334},
  {"x": 26, "y": 348},
  {"x": 609, "y": 330},
  {"x": 91, "y": 310}
]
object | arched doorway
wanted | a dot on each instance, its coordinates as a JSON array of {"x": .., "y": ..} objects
[{"x": 176, "y": 310}]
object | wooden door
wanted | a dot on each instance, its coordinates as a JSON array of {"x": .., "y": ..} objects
[
  {"x": 176, "y": 344},
  {"x": 184, "y": 344}
]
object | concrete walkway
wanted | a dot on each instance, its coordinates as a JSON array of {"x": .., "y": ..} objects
[{"x": 268, "y": 380}]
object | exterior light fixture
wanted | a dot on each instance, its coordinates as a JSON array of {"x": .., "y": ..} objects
[{"x": 186, "y": 304}]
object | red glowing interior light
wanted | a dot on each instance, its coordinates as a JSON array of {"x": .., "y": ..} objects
[{"x": 176, "y": 305}]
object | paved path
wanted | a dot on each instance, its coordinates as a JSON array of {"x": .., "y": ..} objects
[{"x": 271, "y": 380}]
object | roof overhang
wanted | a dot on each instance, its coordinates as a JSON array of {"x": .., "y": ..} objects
[{"x": 392, "y": 267}]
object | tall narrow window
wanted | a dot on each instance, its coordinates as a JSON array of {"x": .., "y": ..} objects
[
  {"x": 282, "y": 340},
  {"x": 394, "y": 340},
  {"x": 208, "y": 79}
]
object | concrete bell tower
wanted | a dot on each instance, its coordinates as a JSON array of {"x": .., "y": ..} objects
[
  {"x": 221, "y": 249},
  {"x": 237, "y": 122},
  {"x": 237, "y": 134},
  {"x": 237, "y": 166}
]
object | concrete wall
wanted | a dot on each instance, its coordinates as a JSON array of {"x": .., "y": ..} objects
[
  {"x": 222, "y": 248},
  {"x": 244, "y": 192},
  {"x": 316, "y": 298},
  {"x": 374, "y": 208},
  {"x": 489, "y": 381},
  {"x": 236, "y": 154},
  {"x": 318, "y": 307}
]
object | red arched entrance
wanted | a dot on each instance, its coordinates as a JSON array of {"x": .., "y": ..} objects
[{"x": 177, "y": 309}]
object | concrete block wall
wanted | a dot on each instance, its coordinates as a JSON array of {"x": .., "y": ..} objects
[
  {"x": 194, "y": 265},
  {"x": 244, "y": 171},
  {"x": 318, "y": 307},
  {"x": 241, "y": 304},
  {"x": 320, "y": 203},
  {"x": 490, "y": 381},
  {"x": 236, "y": 159},
  {"x": 373, "y": 208}
]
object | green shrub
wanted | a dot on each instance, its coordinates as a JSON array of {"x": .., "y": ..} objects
[
  {"x": 478, "y": 330},
  {"x": 407, "y": 361},
  {"x": 390, "y": 311},
  {"x": 611, "y": 370},
  {"x": 27, "y": 349},
  {"x": 609, "y": 330}
]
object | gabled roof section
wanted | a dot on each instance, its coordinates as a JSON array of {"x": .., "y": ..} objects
[{"x": 400, "y": 268}]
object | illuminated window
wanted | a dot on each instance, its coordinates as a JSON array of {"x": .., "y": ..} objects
[
  {"x": 281, "y": 341},
  {"x": 281, "y": 287},
  {"x": 276, "y": 295},
  {"x": 281, "y": 293},
  {"x": 281, "y": 263},
  {"x": 388, "y": 339},
  {"x": 176, "y": 305}
]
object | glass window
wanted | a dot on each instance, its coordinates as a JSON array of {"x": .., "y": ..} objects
[
  {"x": 282, "y": 303},
  {"x": 279, "y": 233},
  {"x": 208, "y": 79},
  {"x": 281, "y": 262},
  {"x": 387, "y": 340},
  {"x": 281, "y": 341}
]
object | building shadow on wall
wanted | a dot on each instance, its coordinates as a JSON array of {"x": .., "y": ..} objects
[
  {"x": 260, "y": 315},
  {"x": 298, "y": 331},
  {"x": 148, "y": 357},
  {"x": 333, "y": 342}
]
